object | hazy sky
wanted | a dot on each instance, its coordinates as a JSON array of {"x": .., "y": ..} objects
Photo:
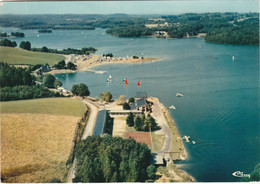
[{"x": 129, "y": 7}]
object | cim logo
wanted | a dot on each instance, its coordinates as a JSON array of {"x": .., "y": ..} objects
[{"x": 240, "y": 174}]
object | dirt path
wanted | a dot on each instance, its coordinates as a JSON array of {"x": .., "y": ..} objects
[{"x": 87, "y": 132}]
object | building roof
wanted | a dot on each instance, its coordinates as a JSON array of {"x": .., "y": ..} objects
[
  {"x": 100, "y": 123},
  {"x": 141, "y": 94},
  {"x": 138, "y": 103}
]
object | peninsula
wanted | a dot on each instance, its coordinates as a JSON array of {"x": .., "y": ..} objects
[
  {"x": 85, "y": 63},
  {"x": 165, "y": 142}
]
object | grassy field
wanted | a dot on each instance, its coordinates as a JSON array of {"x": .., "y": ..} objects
[
  {"x": 19, "y": 56},
  {"x": 158, "y": 141},
  {"x": 55, "y": 106},
  {"x": 36, "y": 142}
]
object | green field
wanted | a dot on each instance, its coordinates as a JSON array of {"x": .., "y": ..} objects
[
  {"x": 54, "y": 106},
  {"x": 19, "y": 56}
]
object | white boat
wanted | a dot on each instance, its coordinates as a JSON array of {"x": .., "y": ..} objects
[
  {"x": 193, "y": 142},
  {"x": 172, "y": 107},
  {"x": 187, "y": 138},
  {"x": 233, "y": 58},
  {"x": 179, "y": 94},
  {"x": 100, "y": 72}
]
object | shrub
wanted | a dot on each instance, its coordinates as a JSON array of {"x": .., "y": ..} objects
[
  {"x": 126, "y": 106},
  {"x": 80, "y": 90}
]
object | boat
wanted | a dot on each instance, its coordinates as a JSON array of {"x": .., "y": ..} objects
[
  {"x": 179, "y": 95},
  {"x": 193, "y": 142},
  {"x": 139, "y": 83},
  {"x": 126, "y": 82},
  {"x": 110, "y": 77},
  {"x": 172, "y": 107},
  {"x": 187, "y": 138},
  {"x": 100, "y": 72},
  {"x": 233, "y": 58}
]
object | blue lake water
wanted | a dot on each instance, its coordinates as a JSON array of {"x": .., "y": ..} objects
[{"x": 220, "y": 107}]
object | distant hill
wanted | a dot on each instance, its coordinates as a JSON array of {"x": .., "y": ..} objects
[{"x": 19, "y": 56}]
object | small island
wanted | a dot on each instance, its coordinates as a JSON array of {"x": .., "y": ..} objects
[
  {"x": 13, "y": 35},
  {"x": 45, "y": 31}
]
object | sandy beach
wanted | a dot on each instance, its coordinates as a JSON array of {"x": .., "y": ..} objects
[{"x": 85, "y": 63}]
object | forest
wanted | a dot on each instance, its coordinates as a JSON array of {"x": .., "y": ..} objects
[
  {"x": 113, "y": 159},
  {"x": 233, "y": 28},
  {"x": 18, "y": 84}
]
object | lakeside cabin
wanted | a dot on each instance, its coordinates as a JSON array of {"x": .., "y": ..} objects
[
  {"x": 138, "y": 107},
  {"x": 43, "y": 69}
]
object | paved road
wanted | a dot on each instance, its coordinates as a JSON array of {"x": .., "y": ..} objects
[
  {"x": 91, "y": 121},
  {"x": 87, "y": 132},
  {"x": 158, "y": 115}
]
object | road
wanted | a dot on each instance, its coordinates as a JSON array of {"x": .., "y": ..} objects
[
  {"x": 88, "y": 131},
  {"x": 160, "y": 119},
  {"x": 91, "y": 120}
]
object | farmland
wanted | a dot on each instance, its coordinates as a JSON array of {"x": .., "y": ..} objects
[
  {"x": 36, "y": 138},
  {"x": 19, "y": 56}
]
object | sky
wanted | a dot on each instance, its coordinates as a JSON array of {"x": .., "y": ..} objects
[{"x": 129, "y": 7}]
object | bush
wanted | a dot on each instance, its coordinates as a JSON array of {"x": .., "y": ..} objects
[
  {"x": 107, "y": 96},
  {"x": 151, "y": 170},
  {"x": 49, "y": 80},
  {"x": 126, "y": 106},
  {"x": 60, "y": 65},
  {"x": 8, "y": 43},
  {"x": 44, "y": 49},
  {"x": 80, "y": 90},
  {"x": 131, "y": 100},
  {"x": 71, "y": 66},
  {"x": 25, "y": 92},
  {"x": 57, "y": 83},
  {"x": 130, "y": 119},
  {"x": 25, "y": 45},
  {"x": 145, "y": 123}
]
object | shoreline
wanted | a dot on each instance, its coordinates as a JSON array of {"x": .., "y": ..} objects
[
  {"x": 176, "y": 136},
  {"x": 177, "y": 144},
  {"x": 84, "y": 65}
]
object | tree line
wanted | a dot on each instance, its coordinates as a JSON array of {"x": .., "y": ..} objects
[
  {"x": 18, "y": 84},
  {"x": 26, "y": 45},
  {"x": 84, "y": 50},
  {"x": 62, "y": 65},
  {"x": 219, "y": 27},
  {"x": 113, "y": 159}
]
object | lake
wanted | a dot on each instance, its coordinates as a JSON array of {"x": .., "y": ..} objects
[{"x": 220, "y": 107}]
